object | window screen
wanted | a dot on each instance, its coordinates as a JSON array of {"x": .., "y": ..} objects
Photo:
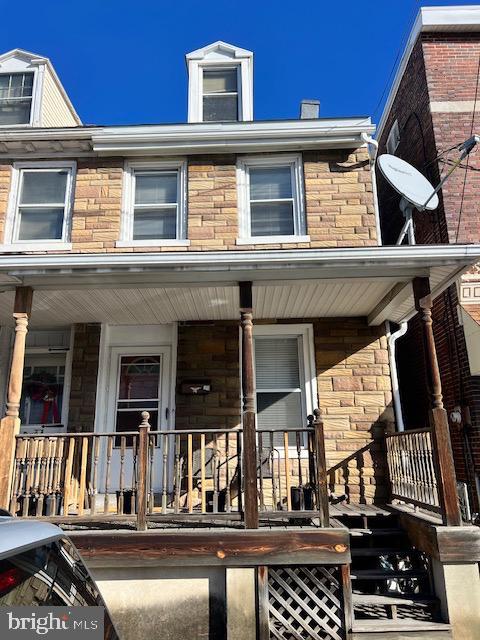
[
  {"x": 155, "y": 214},
  {"x": 15, "y": 98},
  {"x": 42, "y": 204},
  {"x": 271, "y": 201},
  {"x": 220, "y": 95}
]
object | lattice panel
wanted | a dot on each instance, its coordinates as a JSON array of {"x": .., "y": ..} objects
[{"x": 305, "y": 603}]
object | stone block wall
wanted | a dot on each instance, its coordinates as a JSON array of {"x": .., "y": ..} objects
[
  {"x": 338, "y": 203},
  {"x": 84, "y": 377},
  {"x": 354, "y": 387}
]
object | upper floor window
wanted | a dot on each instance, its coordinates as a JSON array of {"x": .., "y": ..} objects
[
  {"x": 220, "y": 94},
  {"x": 16, "y": 91},
  {"x": 40, "y": 206},
  {"x": 154, "y": 204},
  {"x": 393, "y": 139},
  {"x": 220, "y": 84},
  {"x": 271, "y": 200}
]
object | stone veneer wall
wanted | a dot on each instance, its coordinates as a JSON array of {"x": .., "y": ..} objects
[
  {"x": 84, "y": 377},
  {"x": 354, "y": 386},
  {"x": 338, "y": 200},
  {"x": 209, "y": 353}
]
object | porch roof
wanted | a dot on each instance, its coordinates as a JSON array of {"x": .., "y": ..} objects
[{"x": 164, "y": 287}]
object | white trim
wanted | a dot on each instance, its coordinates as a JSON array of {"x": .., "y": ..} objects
[
  {"x": 128, "y": 195},
  {"x": 413, "y": 256},
  {"x": 11, "y": 220},
  {"x": 272, "y": 240},
  {"x": 41, "y": 62},
  {"x": 41, "y": 245},
  {"x": 217, "y": 55},
  {"x": 35, "y": 101},
  {"x": 295, "y": 162},
  {"x": 306, "y": 362},
  {"x": 152, "y": 243},
  {"x": 430, "y": 19}
]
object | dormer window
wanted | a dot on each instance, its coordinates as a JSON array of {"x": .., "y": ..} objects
[
  {"x": 16, "y": 91},
  {"x": 220, "y": 94},
  {"x": 220, "y": 84}
]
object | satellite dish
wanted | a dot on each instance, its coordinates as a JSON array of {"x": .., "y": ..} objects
[
  {"x": 409, "y": 182},
  {"x": 415, "y": 189}
]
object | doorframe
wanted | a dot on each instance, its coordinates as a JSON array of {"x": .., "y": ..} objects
[
  {"x": 111, "y": 389},
  {"x": 104, "y": 374}
]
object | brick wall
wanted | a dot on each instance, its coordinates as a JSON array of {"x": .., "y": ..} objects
[
  {"x": 442, "y": 68},
  {"x": 338, "y": 196},
  {"x": 81, "y": 412},
  {"x": 354, "y": 386}
]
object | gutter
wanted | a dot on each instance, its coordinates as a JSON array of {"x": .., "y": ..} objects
[
  {"x": 372, "y": 146},
  {"x": 402, "y": 256},
  {"x": 391, "y": 340}
]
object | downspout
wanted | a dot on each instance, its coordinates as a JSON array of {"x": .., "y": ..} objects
[
  {"x": 372, "y": 147},
  {"x": 391, "y": 340}
]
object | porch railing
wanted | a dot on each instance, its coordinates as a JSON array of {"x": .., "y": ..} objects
[
  {"x": 153, "y": 475},
  {"x": 411, "y": 465}
]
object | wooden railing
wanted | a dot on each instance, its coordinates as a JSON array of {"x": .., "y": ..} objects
[
  {"x": 412, "y": 468},
  {"x": 153, "y": 475}
]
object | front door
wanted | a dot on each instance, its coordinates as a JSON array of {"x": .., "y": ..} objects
[{"x": 138, "y": 381}]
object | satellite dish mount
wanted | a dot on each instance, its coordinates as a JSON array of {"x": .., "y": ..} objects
[{"x": 415, "y": 189}]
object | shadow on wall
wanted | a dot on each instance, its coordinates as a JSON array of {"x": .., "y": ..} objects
[{"x": 355, "y": 401}]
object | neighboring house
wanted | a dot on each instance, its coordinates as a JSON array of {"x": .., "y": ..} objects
[
  {"x": 206, "y": 307},
  {"x": 432, "y": 107}
]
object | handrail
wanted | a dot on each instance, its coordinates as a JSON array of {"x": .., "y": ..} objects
[{"x": 150, "y": 474}]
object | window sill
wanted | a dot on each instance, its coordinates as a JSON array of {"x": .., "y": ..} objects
[
  {"x": 19, "y": 247},
  {"x": 152, "y": 243},
  {"x": 273, "y": 240}
]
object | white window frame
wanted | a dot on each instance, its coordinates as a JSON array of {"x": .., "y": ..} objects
[
  {"x": 307, "y": 366},
  {"x": 238, "y": 93},
  {"x": 243, "y": 191},
  {"x": 128, "y": 203},
  {"x": 244, "y": 87},
  {"x": 11, "y": 243},
  {"x": 393, "y": 139},
  {"x": 32, "y": 98}
]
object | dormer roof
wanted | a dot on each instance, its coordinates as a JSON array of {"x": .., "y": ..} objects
[
  {"x": 219, "y": 49},
  {"x": 58, "y": 109}
]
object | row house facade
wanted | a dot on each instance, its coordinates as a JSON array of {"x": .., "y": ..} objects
[
  {"x": 195, "y": 331},
  {"x": 431, "y": 110}
]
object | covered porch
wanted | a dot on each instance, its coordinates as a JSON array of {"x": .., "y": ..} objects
[{"x": 271, "y": 386}]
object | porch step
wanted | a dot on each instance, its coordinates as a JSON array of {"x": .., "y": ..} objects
[
  {"x": 400, "y": 630},
  {"x": 407, "y": 601},
  {"x": 385, "y": 574}
]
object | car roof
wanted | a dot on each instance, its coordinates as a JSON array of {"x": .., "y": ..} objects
[{"x": 17, "y": 535}]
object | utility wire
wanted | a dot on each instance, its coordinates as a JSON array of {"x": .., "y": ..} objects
[
  {"x": 401, "y": 48},
  {"x": 468, "y": 157}
]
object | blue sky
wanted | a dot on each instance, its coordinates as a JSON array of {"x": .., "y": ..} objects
[{"x": 123, "y": 61}]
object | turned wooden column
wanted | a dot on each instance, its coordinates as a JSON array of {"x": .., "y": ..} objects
[
  {"x": 10, "y": 424},
  {"x": 248, "y": 415},
  {"x": 446, "y": 479}
]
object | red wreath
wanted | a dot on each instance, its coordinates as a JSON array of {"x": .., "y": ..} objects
[{"x": 46, "y": 393}]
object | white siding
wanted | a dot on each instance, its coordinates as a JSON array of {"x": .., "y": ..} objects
[{"x": 55, "y": 111}]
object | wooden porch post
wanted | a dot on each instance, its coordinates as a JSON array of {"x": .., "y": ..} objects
[
  {"x": 248, "y": 415},
  {"x": 10, "y": 424},
  {"x": 446, "y": 480},
  {"x": 321, "y": 467}
]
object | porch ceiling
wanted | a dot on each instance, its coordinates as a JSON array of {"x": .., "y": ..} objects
[
  {"x": 160, "y": 288},
  {"x": 157, "y": 305}
]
